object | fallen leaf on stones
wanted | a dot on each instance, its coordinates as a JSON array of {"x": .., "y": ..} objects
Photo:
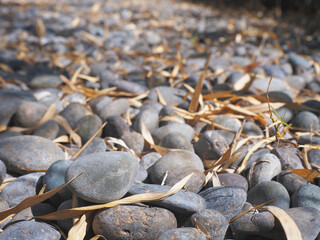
[
  {"x": 31, "y": 201},
  {"x": 63, "y": 123},
  {"x": 79, "y": 229},
  {"x": 97, "y": 237},
  {"x": 138, "y": 198},
  {"x": 288, "y": 224},
  {"x": 202, "y": 229},
  {"x": 307, "y": 174}
]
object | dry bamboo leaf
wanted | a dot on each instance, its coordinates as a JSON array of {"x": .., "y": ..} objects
[
  {"x": 42, "y": 189},
  {"x": 146, "y": 134},
  {"x": 75, "y": 22},
  {"x": 307, "y": 174},
  {"x": 240, "y": 110},
  {"x": 61, "y": 139},
  {"x": 138, "y": 198},
  {"x": 93, "y": 39},
  {"x": 172, "y": 118},
  {"x": 261, "y": 108},
  {"x": 3, "y": 128},
  {"x": 63, "y": 123},
  {"x": 89, "y": 141},
  {"x": 119, "y": 142},
  {"x": 212, "y": 96},
  {"x": 95, "y": 7},
  {"x": 6, "y": 68},
  {"x": 288, "y": 224},
  {"x": 5, "y": 182},
  {"x": 215, "y": 179},
  {"x": 40, "y": 28},
  {"x": 31, "y": 201},
  {"x": 250, "y": 67},
  {"x": 79, "y": 229},
  {"x": 76, "y": 74},
  {"x": 161, "y": 98},
  {"x": 195, "y": 98},
  {"x": 88, "y": 78},
  {"x": 199, "y": 226},
  {"x": 241, "y": 83}
]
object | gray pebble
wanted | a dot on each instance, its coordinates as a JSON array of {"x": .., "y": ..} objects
[
  {"x": 186, "y": 233},
  {"x": 308, "y": 195},
  {"x": 184, "y": 129},
  {"x": 291, "y": 181},
  {"x": 87, "y": 126}
]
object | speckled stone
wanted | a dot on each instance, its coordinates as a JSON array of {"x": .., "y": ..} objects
[
  {"x": 176, "y": 141},
  {"x": 184, "y": 129},
  {"x": 107, "y": 176},
  {"x": 289, "y": 156},
  {"x": 3, "y": 172},
  {"x": 150, "y": 118},
  {"x": 227, "y": 200},
  {"x": 73, "y": 112},
  {"x": 114, "y": 108},
  {"x": 87, "y": 126},
  {"x": 49, "y": 129},
  {"x": 291, "y": 181},
  {"x": 308, "y": 195},
  {"x": 133, "y": 222},
  {"x": 186, "y": 233},
  {"x": 29, "y": 152}
]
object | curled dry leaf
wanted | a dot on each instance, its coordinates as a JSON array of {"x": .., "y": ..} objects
[
  {"x": 80, "y": 228},
  {"x": 307, "y": 174}
]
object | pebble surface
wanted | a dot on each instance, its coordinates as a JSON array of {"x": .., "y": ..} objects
[{"x": 66, "y": 69}]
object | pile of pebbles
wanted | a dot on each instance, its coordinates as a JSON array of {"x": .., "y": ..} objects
[{"x": 65, "y": 69}]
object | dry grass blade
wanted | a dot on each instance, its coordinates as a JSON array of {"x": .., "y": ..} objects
[
  {"x": 161, "y": 98},
  {"x": 198, "y": 225},
  {"x": 144, "y": 197},
  {"x": 288, "y": 224},
  {"x": 307, "y": 174},
  {"x": 195, "y": 98},
  {"x": 79, "y": 229},
  {"x": 121, "y": 143},
  {"x": 146, "y": 134},
  {"x": 5, "y": 182},
  {"x": 98, "y": 237},
  {"x": 40, "y": 28},
  {"x": 28, "y": 202},
  {"x": 241, "y": 83},
  {"x": 89, "y": 141},
  {"x": 76, "y": 74},
  {"x": 256, "y": 207}
]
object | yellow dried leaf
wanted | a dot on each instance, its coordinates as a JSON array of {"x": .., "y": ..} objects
[{"x": 79, "y": 229}]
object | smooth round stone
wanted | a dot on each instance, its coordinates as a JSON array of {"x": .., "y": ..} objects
[
  {"x": 19, "y": 189},
  {"x": 252, "y": 129},
  {"x": 8, "y": 108},
  {"x": 49, "y": 96},
  {"x": 289, "y": 157},
  {"x": 87, "y": 126},
  {"x": 291, "y": 181},
  {"x": 298, "y": 61},
  {"x": 133, "y": 222},
  {"x": 96, "y": 145},
  {"x": 287, "y": 68},
  {"x": 227, "y": 200},
  {"x": 274, "y": 70},
  {"x": 269, "y": 190},
  {"x": 228, "y": 122},
  {"x": 73, "y": 113},
  {"x": 134, "y": 141},
  {"x": 26, "y": 152},
  {"x": 46, "y": 81},
  {"x": 213, "y": 221},
  {"x": 54, "y": 177},
  {"x": 29, "y": 113},
  {"x": 173, "y": 162},
  {"x": 149, "y": 159},
  {"x": 211, "y": 146},
  {"x": 314, "y": 156},
  {"x": 114, "y": 108},
  {"x": 116, "y": 127},
  {"x": 183, "y": 202},
  {"x": 176, "y": 141},
  {"x": 142, "y": 174},
  {"x": 169, "y": 111},
  {"x": 171, "y": 95},
  {"x": 308, "y": 195},
  {"x": 49, "y": 129},
  {"x": 36, "y": 210},
  {"x": 186, "y": 233},
  {"x": 107, "y": 176},
  {"x": 256, "y": 156},
  {"x": 262, "y": 84},
  {"x": 3, "y": 172},
  {"x": 264, "y": 169},
  {"x": 194, "y": 184},
  {"x": 183, "y": 129},
  {"x": 307, "y": 220},
  {"x": 233, "y": 179},
  {"x": 295, "y": 81},
  {"x": 309, "y": 139},
  {"x": 7, "y": 134},
  {"x": 306, "y": 120},
  {"x": 150, "y": 118},
  {"x": 98, "y": 103},
  {"x": 285, "y": 113},
  {"x": 26, "y": 230}
]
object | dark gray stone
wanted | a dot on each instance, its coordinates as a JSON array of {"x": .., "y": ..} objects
[
  {"x": 291, "y": 181},
  {"x": 176, "y": 141},
  {"x": 213, "y": 221},
  {"x": 19, "y": 189},
  {"x": 114, "y": 108},
  {"x": 184, "y": 129},
  {"x": 183, "y": 202},
  {"x": 96, "y": 145},
  {"x": 274, "y": 70},
  {"x": 116, "y": 127},
  {"x": 87, "y": 126},
  {"x": 49, "y": 129},
  {"x": 264, "y": 169},
  {"x": 306, "y": 120},
  {"x": 22, "y": 153},
  {"x": 25, "y": 230},
  {"x": 252, "y": 129},
  {"x": 314, "y": 156},
  {"x": 186, "y": 233},
  {"x": 173, "y": 162},
  {"x": 149, "y": 159},
  {"x": 171, "y": 95},
  {"x": 107, "y": 176},
  {"x": 308, "y": 195},
  {"x": 45, "y": 81},
  {"x": 3, "y": 172},
  {"x": 133, "y": 222},
  {"x": 298, "y": 61},
  {"x": 73, "y": 113},
  {"x": 150, "y": 118},
  {"x": 134, "y": 141},
  {"x": 233, "y": 179},
  {"x": 289, "y": 156},
  {"x": 267, "y": 191},
  {"x": 211, "y": 146},
  {"x": 227, "y": 200}
]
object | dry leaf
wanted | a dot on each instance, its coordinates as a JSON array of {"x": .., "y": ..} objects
[
  {"x": 139, "y": 198},
  {"x": 40, "y": 28},
  {"x": 97, "y": 237},
  {"x": 288, "y": 224},
  {"x": 63, "y": 123},
  {"x": 199, "y": 226},
  {"x": 307, "y": 174},
  {"x": 79, "y": 229}
]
